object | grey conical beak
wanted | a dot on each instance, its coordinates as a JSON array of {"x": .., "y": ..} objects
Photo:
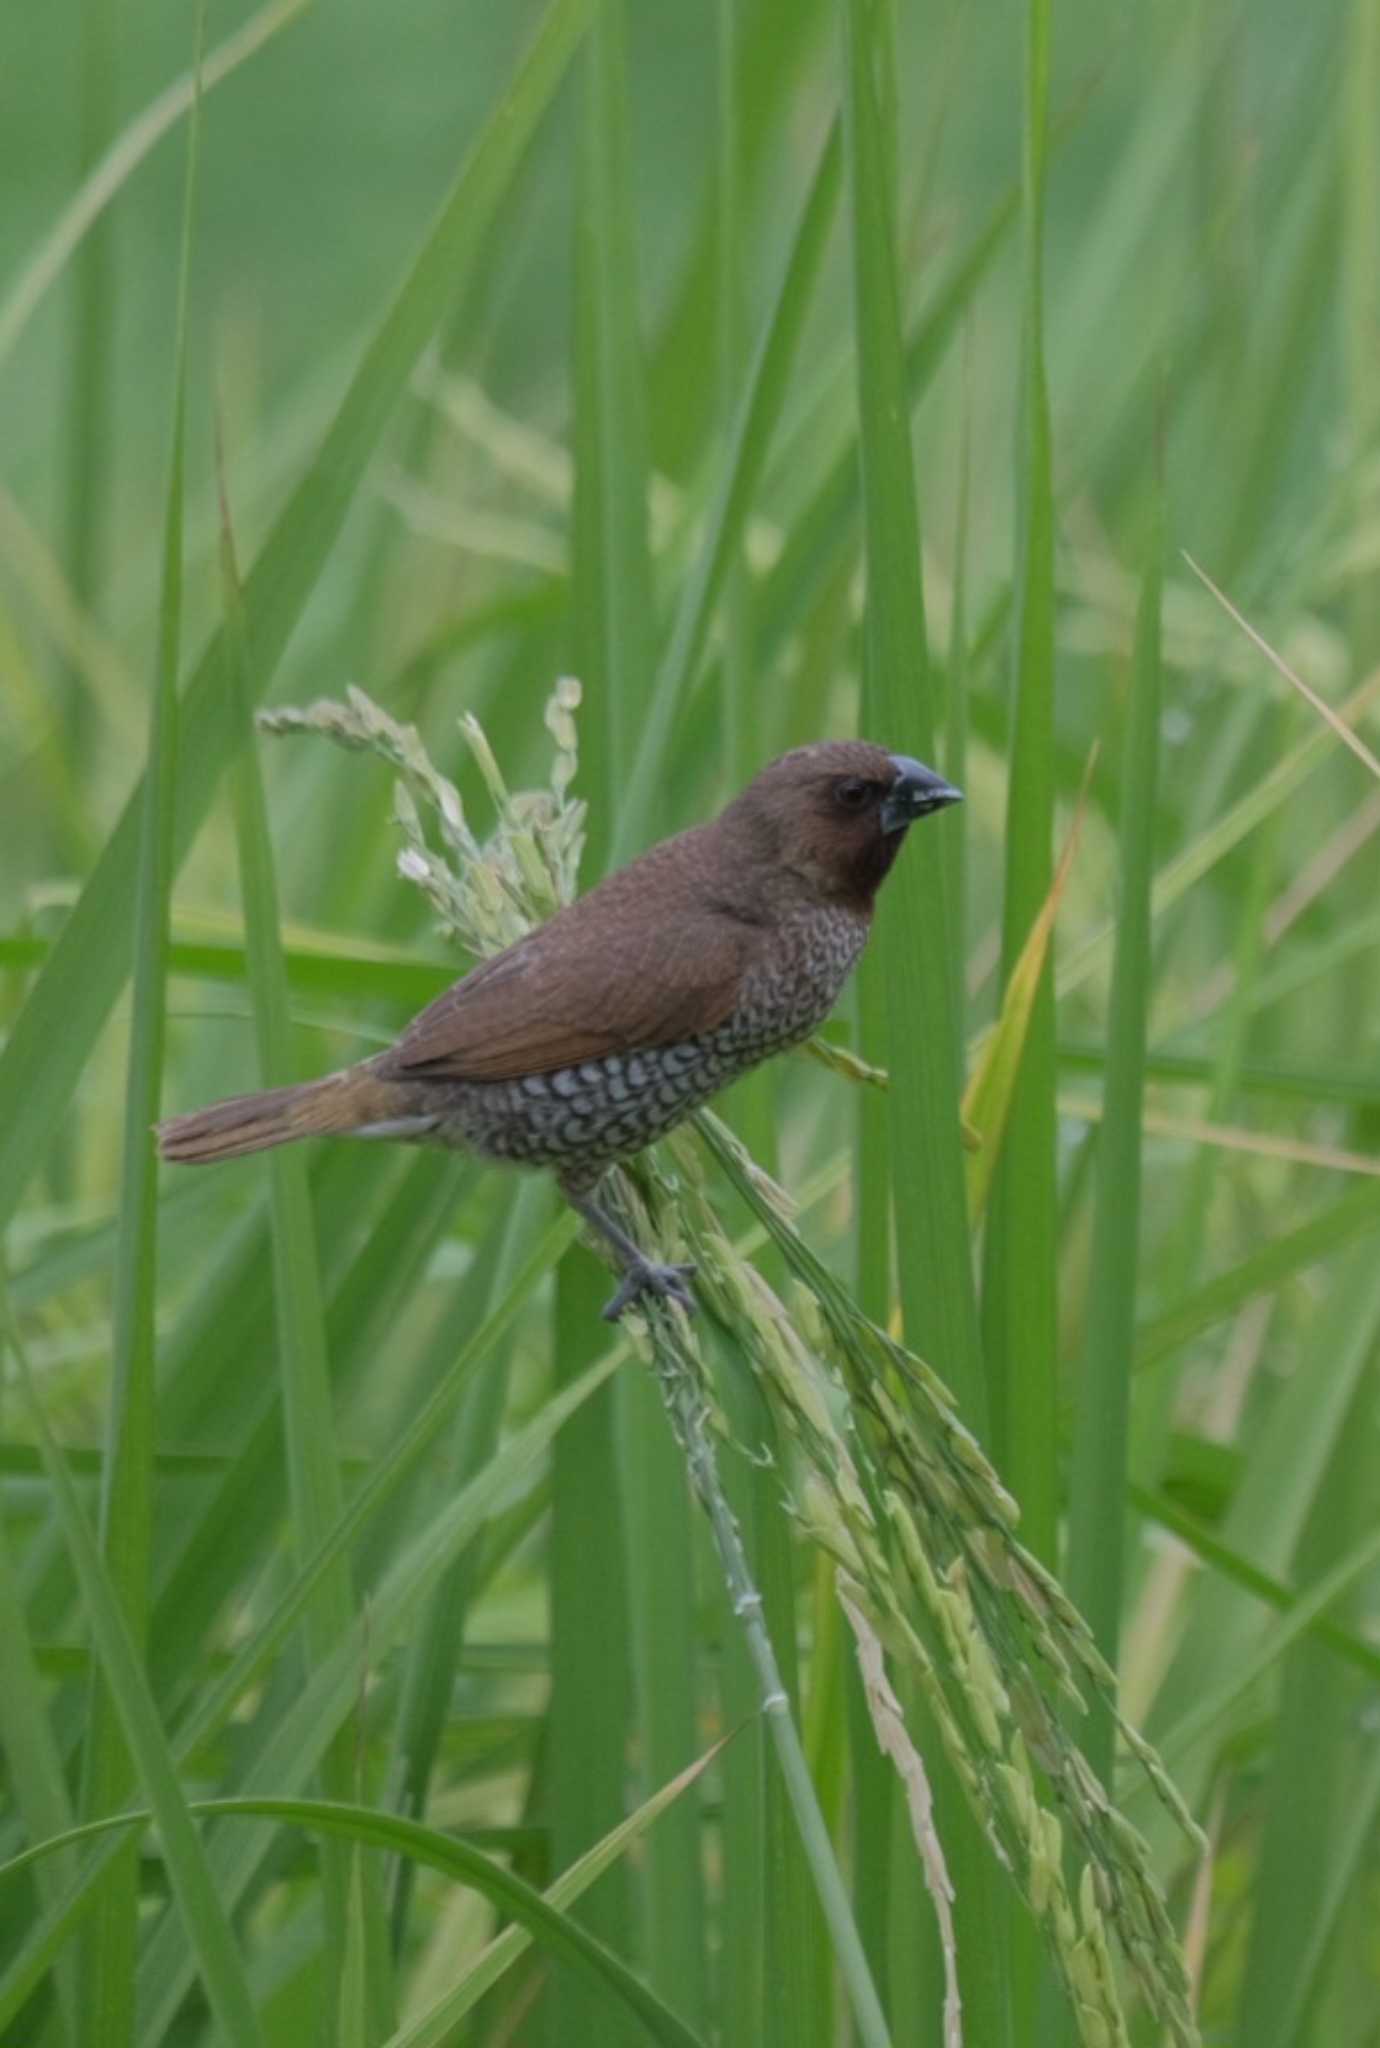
[{"x": 916, "y": 792}]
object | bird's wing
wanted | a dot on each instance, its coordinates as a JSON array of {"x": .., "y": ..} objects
[{"x": 595, "y": 980}]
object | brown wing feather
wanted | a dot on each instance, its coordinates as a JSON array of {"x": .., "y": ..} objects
[{"x": 603, "y": 976}]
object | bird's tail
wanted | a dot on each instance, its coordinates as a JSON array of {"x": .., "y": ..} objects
[{"x": 337, "y": 1104}]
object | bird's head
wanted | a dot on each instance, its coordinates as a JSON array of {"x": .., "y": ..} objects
[{"x": 835, "y": 814}]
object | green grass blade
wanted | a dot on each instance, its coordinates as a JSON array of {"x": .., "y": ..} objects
[
  {"x": 588, "y": 1718},
  {"x": 456, "y": 1859},
  {"x": 1360, "y": 258},
  {"x": 59, "y": 1024},
  {"x": 589, "y": 1715},
  {"x": 1292, "y": 1252},
  {"x": 996, "y": 1068},
  {"x": 818, "y": 535},
  {"x": 314, "y": 967},
  {"x": 1097, "y": 1504},
  {"x": 1272, "y": 1504},
  {"x": 1316, "y": 1760},
  {"x": 214, "y": 1706},
  {"x": 55, "y": 1928},
  {"x": 127, "y": 1488},
  {"x": 1281, "y": 1078},
  {"x": 691, "y": 1417},
  {"x": 665, "y": 1674},
  {"x": 1019, "y": 1293},
  {"x": 759, "y": 411},
  {"x": 352, "y": 2028},
  {"x": 89, "y": 411},
  {"x": 428, "y": 1686},
  {"x": 434, "y": 2027},
  {"x": 899, "y": 708},
  {"x": 956, "y": 678},
  {"x": 918, "y": 964},
  {"x": 1275, "y": 787},
  {"x": 200, "y": 1909},
  {"x": 1232, "y": 1565},
  {"x": 772, "y": 1933},
  {"x": 767, "y": 1836},
  {"x": 34, "y": 1763},
  {"x": 301, "y": 1735},
  {"x": 314, "y": 1485},
  {"x": 642, "y": 1497},
  {"x": 614, "y": 619},
  {"x": 106, "y": 177},
  {"x": 1342, "y": 1887},
  {"x": 1338, "y": 1579}
]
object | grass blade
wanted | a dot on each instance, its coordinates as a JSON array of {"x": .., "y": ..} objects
[
  {"x": 88, "y": 412},
  {"x": 1270, "y": 1509},
  {"x": 1261, "y": 1273},
  {"x": 899, "y": 704},
  {"x": 1232, "y": 1565},
  {"x": 434, "y": 2026},
  {"x": 35, "y": 1764},
  {"x": 106, "y": 177},
  {"x": 1019, "y": 1293},
  {"x": 758, "y": 413},
  {"x": 214, "y": 1706},
  {"x": 772, "y": 1933},
  {"x": 1097, "y": 1506},
  {"x": 917, "y": 956},
  {"x": 200, "y": 1909},
  {"x": 299, "y": 1738},
  {"x": 454, "y": 1858},
  {"x": 314, "y": 1487},
  {"x": 428, "y": 1685},
  {"x": 127, "y": 1478},
  {"x": 640, "y": 1495},
  {"x": 1279, "y": 782}
]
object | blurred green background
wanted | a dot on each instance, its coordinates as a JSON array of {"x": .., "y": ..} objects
[{"x": 1136, "y": 254}]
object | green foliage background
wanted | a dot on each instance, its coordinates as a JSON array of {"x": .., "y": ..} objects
[{"x": 357, "y": 1506}]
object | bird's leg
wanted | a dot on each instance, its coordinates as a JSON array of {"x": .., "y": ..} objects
[{"x": 641, "y": 1275}]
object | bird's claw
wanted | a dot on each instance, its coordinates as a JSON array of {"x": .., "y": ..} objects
[{"x": 649, "y": 1277}]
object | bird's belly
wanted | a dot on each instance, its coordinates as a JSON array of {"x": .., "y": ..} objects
[
  {"x": 583, "y": 1117},
  {"x": 593, "y": 1113}
]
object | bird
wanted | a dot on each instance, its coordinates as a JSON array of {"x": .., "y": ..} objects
[{"x": 600, "y": 1030}]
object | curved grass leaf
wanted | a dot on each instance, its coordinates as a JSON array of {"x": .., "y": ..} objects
[
  {"x": 294, "y": 1745},
  {"x": 370, "y": 1827},
  {"x": 433, "y": 2027},
  {"x": 200, "y": 1906}
]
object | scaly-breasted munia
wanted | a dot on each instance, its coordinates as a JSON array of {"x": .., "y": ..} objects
[{"x": 592, "y": 1036}]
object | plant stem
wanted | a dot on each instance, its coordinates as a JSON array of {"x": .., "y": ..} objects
[{"x": 689, "y": 1414}]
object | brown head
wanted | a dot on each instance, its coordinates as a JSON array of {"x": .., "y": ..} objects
[{"x": 834, "y": 815}]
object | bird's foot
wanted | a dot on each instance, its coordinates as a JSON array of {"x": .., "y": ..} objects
[{"x": 647, "y": 1277}]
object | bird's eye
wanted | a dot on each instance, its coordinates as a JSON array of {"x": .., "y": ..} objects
[{"x": 853, "y": 794}]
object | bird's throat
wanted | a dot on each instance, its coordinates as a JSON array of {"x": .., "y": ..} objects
[{"x": 872, "y": 866}]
